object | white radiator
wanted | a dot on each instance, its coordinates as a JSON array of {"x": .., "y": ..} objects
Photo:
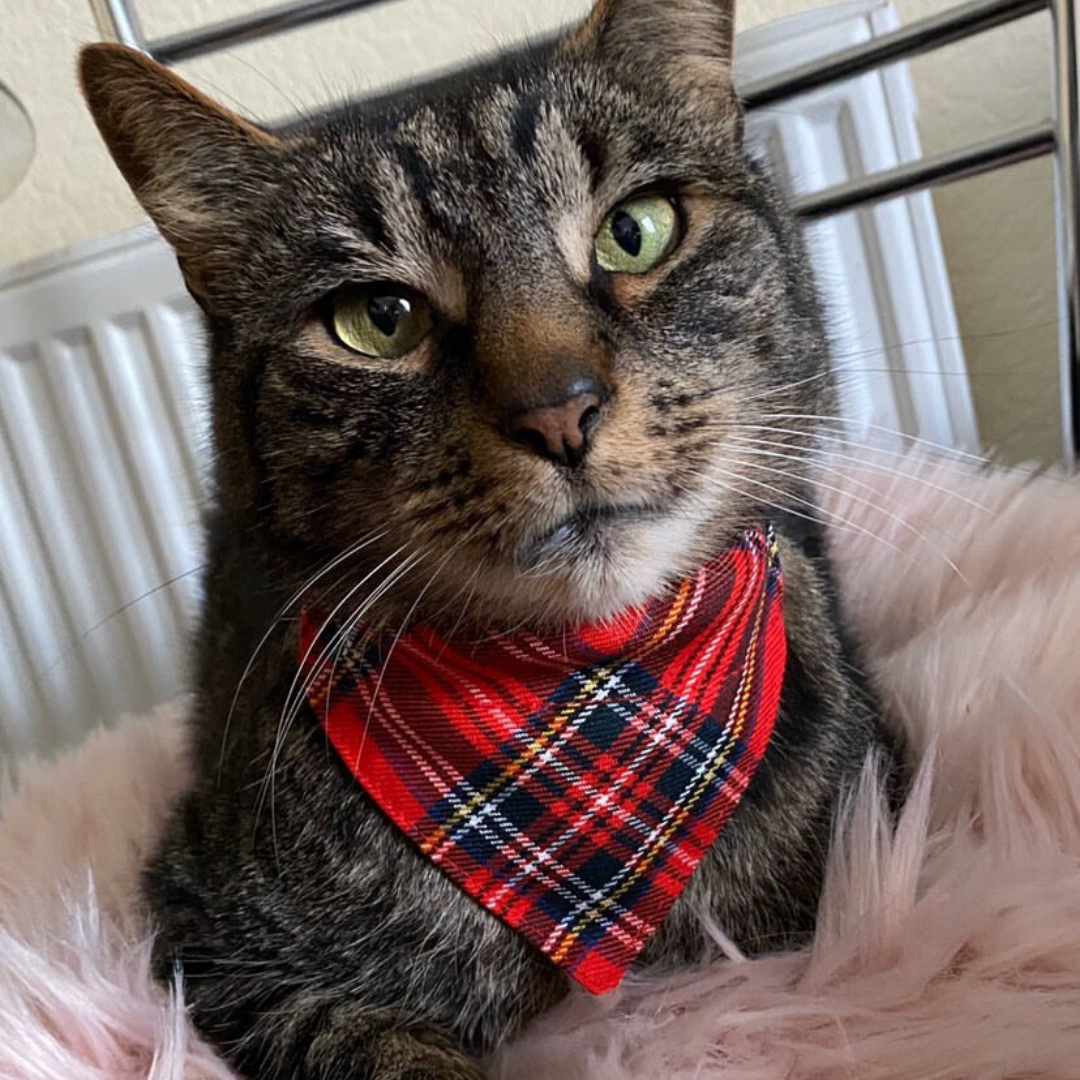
[{"x": 100, "y": 487}]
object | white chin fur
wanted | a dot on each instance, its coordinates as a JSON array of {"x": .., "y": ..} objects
[
  {"x": 640, "y": 562},
  {"x": 617, "y": 566}
]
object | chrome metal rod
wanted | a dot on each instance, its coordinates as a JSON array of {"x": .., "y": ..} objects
[
  {"x": 918, "y": 37},
  {"x": 930, "y": 171},
  {"x": 244, "y": 28},
  {"x": 1066, "y": 117},
  {"x": 117, "y": 22}
]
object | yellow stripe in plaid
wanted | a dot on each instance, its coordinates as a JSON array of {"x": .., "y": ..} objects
[
  {"x": 532, "y": 751},
  {"x": 740, "y": 712},
  {"x": 437, "y": 837},
  {"x": 674, "y": 615}
]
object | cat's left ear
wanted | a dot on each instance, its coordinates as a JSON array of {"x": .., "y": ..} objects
[
  {"x": 195, "y": 166},
  {"x": 686, "y": 43}
]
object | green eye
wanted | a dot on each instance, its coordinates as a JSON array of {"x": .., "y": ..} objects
[
  {"x": 638, "y": 235},
  {"x": 383, "y": 321}
]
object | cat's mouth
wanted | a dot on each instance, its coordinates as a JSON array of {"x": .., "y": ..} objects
[{"x": 589, "y": 525}]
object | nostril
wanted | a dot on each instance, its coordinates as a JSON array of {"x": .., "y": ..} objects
[
  {"x": 533, "y": 439},
  {"x": 560, "y": 432},
  {"x": 589, "y": 419}
]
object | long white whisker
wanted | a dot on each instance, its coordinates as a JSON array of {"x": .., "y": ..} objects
[
  {"x": 877, "y": 507},
  {"x": 744, "y": 449},
  {"x": 270, "y": 779},
  {"x": 339, "y": 641},
  {"x": 840, "y": 521},
  {"x": 401, "y": 629},
  {"x": 930, "y": 444},
  {"x": 811, "y": 457},
  {"x": 299, "y": 676},
  {"x": 757, "y": 498},
  {"x": 786, "y": 387},
  {"x": 783, "y": 492},
  {"x": 285, "y": 719},
  {"x": 348, "y": 553}
]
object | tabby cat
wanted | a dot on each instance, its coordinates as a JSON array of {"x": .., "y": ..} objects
[{"x": 502, "y": 352}]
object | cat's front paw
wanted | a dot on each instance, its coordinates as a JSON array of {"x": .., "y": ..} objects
[{"x": 403, "y": 1056}]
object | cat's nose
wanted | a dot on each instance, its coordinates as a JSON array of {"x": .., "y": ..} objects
[{"x": 561, "y": 432}]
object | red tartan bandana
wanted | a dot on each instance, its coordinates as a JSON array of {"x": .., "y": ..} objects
[{"x": 569, "y": 784}]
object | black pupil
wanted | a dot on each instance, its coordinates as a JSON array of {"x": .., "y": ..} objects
[
  {"x": 387, "y": 311},
  {"x": 627, "y": 233}
]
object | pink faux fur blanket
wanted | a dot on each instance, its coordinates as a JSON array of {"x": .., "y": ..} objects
[{"x": 949, "y": 950}]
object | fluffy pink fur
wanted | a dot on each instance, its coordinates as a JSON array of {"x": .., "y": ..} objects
[{"x": 946, "y": 950}]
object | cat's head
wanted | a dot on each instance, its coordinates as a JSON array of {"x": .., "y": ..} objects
[{"x": 520, "y": 337}]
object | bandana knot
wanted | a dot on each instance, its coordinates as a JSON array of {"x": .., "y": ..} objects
[{"x": 570, "y": 783}]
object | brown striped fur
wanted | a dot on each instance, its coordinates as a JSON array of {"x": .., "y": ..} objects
[{"x": 314, "y": 943}]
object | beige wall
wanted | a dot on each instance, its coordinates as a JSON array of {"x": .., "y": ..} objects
[{"x": 997, "y": 231}]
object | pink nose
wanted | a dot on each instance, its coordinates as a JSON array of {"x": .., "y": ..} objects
[{"x": 562, "y": 433}]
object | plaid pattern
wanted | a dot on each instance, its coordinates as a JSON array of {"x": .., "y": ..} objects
[{"x": 571, "y": 784}]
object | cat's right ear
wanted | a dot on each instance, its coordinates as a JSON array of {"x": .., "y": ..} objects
[
  {"x": 191, "y": 163},
  {"x": 685, "y": 44}
]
